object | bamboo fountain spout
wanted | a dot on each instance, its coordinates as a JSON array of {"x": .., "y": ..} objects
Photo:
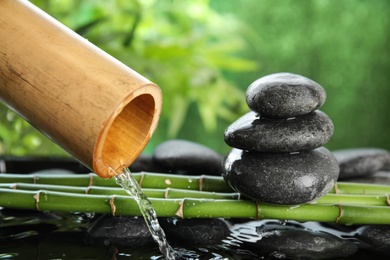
[{"x": 92, "y": 105}]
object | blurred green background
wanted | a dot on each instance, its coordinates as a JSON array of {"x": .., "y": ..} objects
[{"x": 204, "y": 54}]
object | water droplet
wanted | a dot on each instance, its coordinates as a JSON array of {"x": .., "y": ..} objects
[
  {"x": 283, "y": 222},
  {"x": 278, "y": 255}
]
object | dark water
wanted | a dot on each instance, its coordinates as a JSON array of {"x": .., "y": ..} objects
[{"x": 31, "y": 235}]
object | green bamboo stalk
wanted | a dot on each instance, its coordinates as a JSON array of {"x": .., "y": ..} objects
[
  {"x": 354, "y": 199},
  {"x": 192, "y": 208},
  {"x": 368, "y": 200},
  {"x": 66, "y": 188},
  {"x": 146, "y": 180},
  {"x": 342, "y": 214},
  {"x": 360, "y": 188},
  {"x": 163, "y": 180},
  {"x": 57, "y": 179},
  {"x": 71, "y": 202},
  {"x": 99, "y": 190},
  {"x": 180, "y": 193}
]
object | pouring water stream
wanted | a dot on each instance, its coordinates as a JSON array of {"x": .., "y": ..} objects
[{"x": 131, "y": 186}]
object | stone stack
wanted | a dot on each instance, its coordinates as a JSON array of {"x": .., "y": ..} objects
[{"x": 278, "y": 155}]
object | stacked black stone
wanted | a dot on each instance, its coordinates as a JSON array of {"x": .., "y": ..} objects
[{"x": 278, "y": 155}]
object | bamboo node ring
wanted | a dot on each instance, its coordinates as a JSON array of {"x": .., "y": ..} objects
[
  {"x": 180, "y": 212},
  {"x": 201, "y": 182},
  {"x": 340, "y": 213},
  {"x": 37, "y": 197},
  {"x": 112, "y": 205},
  {"x": 258, "y": 209},
  {"x": 336, "y": 188}
]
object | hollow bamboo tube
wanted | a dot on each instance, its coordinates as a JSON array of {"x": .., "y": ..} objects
[{"x": 93, "y": 106}]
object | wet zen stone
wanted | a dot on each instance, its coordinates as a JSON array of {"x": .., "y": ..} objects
[
  {"x": 254, "y": 133},
  {"x": 284, "y": 95},
  {"x": 292, "y": 243},
  {"x": 145, "y": 163},
  {"x": 119, "y": 231},
  {"x": 381, "y": 177},
  {"x": 197, "y": 231},
  {"x": 361, "y": 162},
  {"x": 185, "y": 157},
  {"x": 377, "y": 236},
  {"x": 286, "y": 179}
]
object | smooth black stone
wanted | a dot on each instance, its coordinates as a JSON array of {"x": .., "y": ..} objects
[
  {"x": 293, "y": 243},
  {"x": 119, "y": 231},
  {"x": 381, "y": 177},
  {"x": 145, "y": 163},
  {"x": 284, "y": 95},
  {"x": 377, "y": 236},
  {"x": 254, "y": 133},
  {"x": 195, "y": 232},
  {"x": 185, "y": 157},
  {"x": 54, "y": 171},
  {"x": 286, "y": 179},
  {"x": 361, "y": 162},
  {"x": 30, "y": 164}
]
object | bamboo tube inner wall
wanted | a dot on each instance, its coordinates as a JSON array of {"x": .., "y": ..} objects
[{"x": 93, "y": 106}]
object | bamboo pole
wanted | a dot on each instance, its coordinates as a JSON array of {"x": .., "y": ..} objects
[
  {"x": 169, "y": 193},
  {"x": 116, "y": 205},
  {"x": 92, "y": 105},
  {"x": 145, "y": 179},
  {"x": 165, "y": 180},
  {"x": 78, "y": 192}
]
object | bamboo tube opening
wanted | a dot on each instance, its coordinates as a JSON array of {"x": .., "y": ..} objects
[
  {"x": 93, "y": 106},
  {"x": 125, "y": 134}
]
